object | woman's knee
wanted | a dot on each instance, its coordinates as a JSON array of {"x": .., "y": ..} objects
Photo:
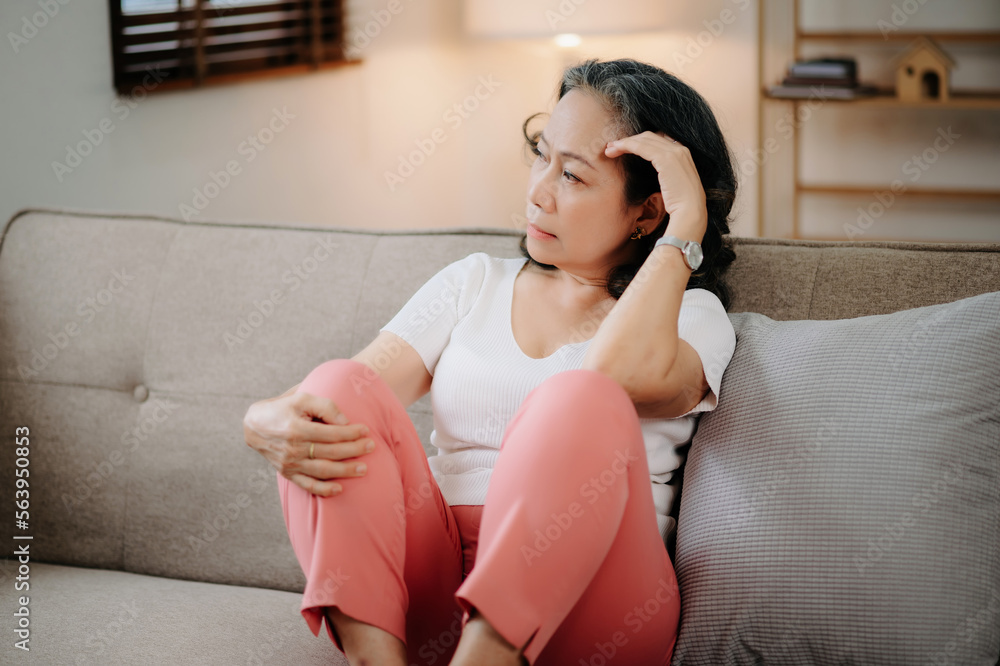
[
  {"x": 580, "y": 389},
  {"x": 336, "y": 374},
  {"x": 356, "y": 390},
  {"x": 578, "y": 408},
  {"x": 346, "y": 382}
]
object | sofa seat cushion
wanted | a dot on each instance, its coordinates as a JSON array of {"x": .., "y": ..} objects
[
  {"x": 95, "y": 616},
  {"x": 841, "y": 504}
]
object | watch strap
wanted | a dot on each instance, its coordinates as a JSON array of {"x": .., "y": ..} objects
[{"x": 681, "y": 245}]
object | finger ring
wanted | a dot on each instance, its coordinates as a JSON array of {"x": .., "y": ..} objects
[{"x": 312, "y": 445}]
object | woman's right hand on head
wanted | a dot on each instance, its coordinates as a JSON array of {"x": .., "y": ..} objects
[{"x": 282, "y": 430}]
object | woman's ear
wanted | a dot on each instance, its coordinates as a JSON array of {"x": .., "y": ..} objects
[{"x": 651, "y": 213}]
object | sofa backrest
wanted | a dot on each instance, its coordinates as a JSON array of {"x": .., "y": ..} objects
[
  {"x": 799, "y": 279},
  {"x": 132, "y": 346}
]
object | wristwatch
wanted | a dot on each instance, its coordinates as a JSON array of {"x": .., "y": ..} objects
[{"x": 691, "y": 250}]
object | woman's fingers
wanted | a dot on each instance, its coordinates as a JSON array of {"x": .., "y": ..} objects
[
  {"x": 339, "y": 450},
  {"x": 323, "y": 468},
  {"x": 315, "y": 474},
  {"x": 316, "y": 443},
  {"x": 646, "y": 145},
  {"x": 318, "y": 407},
  {"x": 324, "y": 433},
  {"x": 315, "y": 486},
  {"x": 326, "y": 464},
  {"x": 680, "y": 183}
]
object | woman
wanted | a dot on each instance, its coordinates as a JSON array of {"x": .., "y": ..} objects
[{"x": 532, "y": 536}]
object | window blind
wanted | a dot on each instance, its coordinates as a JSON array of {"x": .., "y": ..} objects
[{"x": 180, "y": 43}]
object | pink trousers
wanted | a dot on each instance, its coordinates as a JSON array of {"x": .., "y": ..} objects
[{"x": 569, "y": 564}]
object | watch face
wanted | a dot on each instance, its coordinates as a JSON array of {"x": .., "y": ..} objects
[{"x": 694, "y": 255}]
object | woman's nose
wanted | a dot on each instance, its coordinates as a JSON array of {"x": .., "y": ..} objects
[{"x": 540, "y": 193}]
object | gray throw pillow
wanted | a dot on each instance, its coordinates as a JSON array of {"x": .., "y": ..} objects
[{"x": 841, "y": 505}]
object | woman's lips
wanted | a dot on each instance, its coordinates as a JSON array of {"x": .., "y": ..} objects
[{"x": 535, "y": 232}]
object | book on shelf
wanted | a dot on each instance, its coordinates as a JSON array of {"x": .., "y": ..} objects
[
  {"x": 821, "y": 91},
  {"x": 832, "y": 68},
  {"x": 843, "y": 82},
  {"x": 822, "y": 78}
]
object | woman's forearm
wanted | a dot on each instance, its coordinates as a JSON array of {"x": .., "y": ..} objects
[{"x": 637, "y": 343}]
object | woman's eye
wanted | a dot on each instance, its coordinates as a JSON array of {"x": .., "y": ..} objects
[{"x": 566, "y": 174}]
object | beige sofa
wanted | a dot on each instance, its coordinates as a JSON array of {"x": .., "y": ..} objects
[{"x": 131, "y": 347}]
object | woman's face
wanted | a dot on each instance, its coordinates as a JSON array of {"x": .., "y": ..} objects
[{"x": 576, "y": 193}]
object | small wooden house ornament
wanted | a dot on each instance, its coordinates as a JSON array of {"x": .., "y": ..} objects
[{"x": 922, "y": 73}]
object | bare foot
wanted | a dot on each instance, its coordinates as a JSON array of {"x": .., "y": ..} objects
[
  {"x": 482, "y": 645},
  {"x": 366, "y": 644}
]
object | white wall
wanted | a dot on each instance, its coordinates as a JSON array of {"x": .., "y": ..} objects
[{"x": 350, "y": 125}]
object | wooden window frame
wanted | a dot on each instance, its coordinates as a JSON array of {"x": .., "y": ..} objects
[{"x": 201, "y": 44}]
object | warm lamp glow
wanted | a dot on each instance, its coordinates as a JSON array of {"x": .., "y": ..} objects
[
  {"x": 568, "y": 40},
  {"x": 528, "y": 18}
]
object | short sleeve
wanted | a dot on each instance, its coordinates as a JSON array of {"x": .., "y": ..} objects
[
  {"x": 428, "y": 318},
  {"x": 704, "y": 324}
]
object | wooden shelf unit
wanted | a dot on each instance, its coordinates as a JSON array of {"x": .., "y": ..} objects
[
  {"x": 970, "y": 36},
  {"x": 988, "y": 100},
  {"x": 936, "y": 192},
  {"x": 958, "y": 99}
]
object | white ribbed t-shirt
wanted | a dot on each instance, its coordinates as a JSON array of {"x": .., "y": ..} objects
[{"x": 459, "y": 323}]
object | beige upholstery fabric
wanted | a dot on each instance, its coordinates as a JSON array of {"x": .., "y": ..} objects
[
  {"x": 794, "y": 279},
  {"x": 100, "y": 617}
]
